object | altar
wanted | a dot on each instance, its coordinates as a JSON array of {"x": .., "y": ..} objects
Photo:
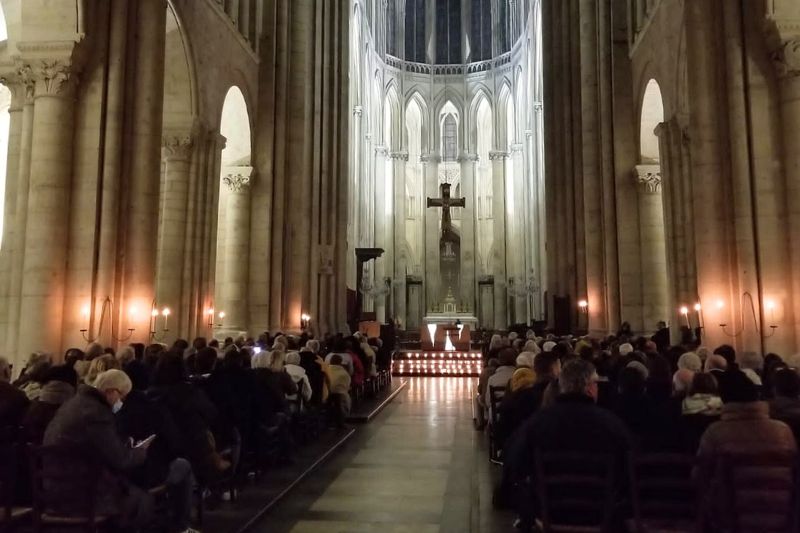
[{"x": 448, "y": 331}]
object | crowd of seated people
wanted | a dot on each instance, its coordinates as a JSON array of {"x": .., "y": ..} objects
[
  {"x": 623, "y": 397},
  {"x": 218, "y": 410}
]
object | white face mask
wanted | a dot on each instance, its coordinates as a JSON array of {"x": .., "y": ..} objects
[{"x": 116, "y": 407}]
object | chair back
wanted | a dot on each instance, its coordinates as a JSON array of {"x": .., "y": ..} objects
[
  {"x": 496, "y": 395},
  {"x": 761, "y": 491},
  {"x": 663, "y": 494},
  {"x": 65, "y": 482},
  {"x": 575, "y": 490}
]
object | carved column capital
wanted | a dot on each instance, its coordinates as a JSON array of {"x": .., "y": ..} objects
[
  {"x": 358, "y": 111},
  {"x": 178, "y": 147},
  {"x": 398, "y": 156},
  {"x": 648, "y": 177},
  {"x": 48, "y": 77},
  {"x": 467, "y": 157},
  {"x": 21, "y": 82},
  {"x": 498, "y": 155},
  {"x": 237, "y": 179},
  {"x": 787, "y": 58}
]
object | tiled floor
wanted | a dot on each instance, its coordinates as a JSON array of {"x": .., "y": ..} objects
[{"x": 419, "y": 467}]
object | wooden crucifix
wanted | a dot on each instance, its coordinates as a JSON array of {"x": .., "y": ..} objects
[{"x": 446, "y": 202}]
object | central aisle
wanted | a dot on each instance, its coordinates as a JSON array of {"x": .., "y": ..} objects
[{"x": 419, "y": 467}]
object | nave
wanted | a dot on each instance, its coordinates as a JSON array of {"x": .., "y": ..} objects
[{"x": 418, "y": 467}]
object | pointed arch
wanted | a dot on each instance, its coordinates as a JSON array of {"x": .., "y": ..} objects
[
  {"x": 482, "y": 94},
  {"x": 505, "y": 103},
  {"x": 417, "y": 99},
  {"x": 392, "y": 136},
  {"x": 651, "y": 115}
]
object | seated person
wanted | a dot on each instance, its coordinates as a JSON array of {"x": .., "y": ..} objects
[
  {"x": 59, "y": 386},
  {"x": 194, "y": 416},
  {"x": 519, "y": 403},
  {"x": 339, "y": 386},
  {"x": 13, "y": 402},
  {"x": 745, "y": 428},
  {"x": 298, "y": 375},
  {"x": 501, "y": 376},
  {"x": 785, "y": 405},
  {"x": 87, "y": 421},
  {"x": 573, "y": 424}
]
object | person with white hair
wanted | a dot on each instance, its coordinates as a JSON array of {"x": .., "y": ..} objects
[
  {"x": 274, "y": 384},
  {"x": 548, "y": 346},
  {"x": 87, "y": 422},
  {"x": 126, "y": 355},
  {"x": 531, "y": 346},
  {"x": 314, "y": 346},
  {"x": 625, "y": 349},
  {"x": 525, "y": 360},
  {"x": 298, "y": 375}
]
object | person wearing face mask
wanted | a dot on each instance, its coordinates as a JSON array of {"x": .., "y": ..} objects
[{"x": 87, "y": 421}]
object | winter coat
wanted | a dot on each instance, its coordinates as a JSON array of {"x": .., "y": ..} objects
[
  {"x": 702, "y": 404},
  {"x": 86, "y": 421},
  {"x": 13, "y": 404}
]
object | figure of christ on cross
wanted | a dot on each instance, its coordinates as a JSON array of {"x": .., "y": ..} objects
[
  {"x": 449, "y": 248},
  {"x": 446, "y": 202}
]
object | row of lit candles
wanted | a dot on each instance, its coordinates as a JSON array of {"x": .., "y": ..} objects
[
  {"x": 451, "y": 355},
  {"x": 155, "y": 313}
]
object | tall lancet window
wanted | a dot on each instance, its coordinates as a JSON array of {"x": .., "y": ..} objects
[
  {"x": 450, "y": 138},
  {"x": 391, "y": 28},
  {"x": 480, "y": 44},
  {"x": 415, "y": 31},
  {"x": 448, "y": 32},
  {"x": 503, "y": 26}
]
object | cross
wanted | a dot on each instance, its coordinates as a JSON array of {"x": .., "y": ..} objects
[{"x": 446, "y": 202}]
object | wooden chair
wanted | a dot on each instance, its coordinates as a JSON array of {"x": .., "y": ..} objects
[
  {"x": 10, "y": 515},
  {"x": 663, "y": 495},
  {"x": 496, "y": 395},
  {"x": 761, "y": 492},
  {"x": 65, "y": 489},
  {"x": 576, "y": 492}
]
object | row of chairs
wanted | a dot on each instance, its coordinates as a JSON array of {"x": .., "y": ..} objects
[{"x": 580, "y": 492}]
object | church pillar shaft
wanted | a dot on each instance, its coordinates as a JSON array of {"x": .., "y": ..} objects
[
  {"x": 651, "y": 231},
  {"x": 468, "y": 275},
  {"x": 8, "y": 251},
  {"x": 143, "y": 193},
  {"x": 399, "y": 161},
  {"x": 382, "y": 264},
  {"x": 499, "y": 270},
  {"x": 46, "y": 239},
  {"x": 432, "y": 233},
  {"x": 237, "y": 249},
  {"x": 173, "y": 221},
  {"x": 20, "y": 220},
  {"x": 789, "y": 71},
  {"x": 711, "y": 194}
]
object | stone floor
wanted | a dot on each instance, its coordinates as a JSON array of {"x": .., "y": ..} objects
[{"x": 417, "y": 467}]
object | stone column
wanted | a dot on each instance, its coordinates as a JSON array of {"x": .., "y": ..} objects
[
  {"x": 7, "y": 253},
  {"x": 177, "y": 155},
  {"x": 244, "y": 19},
  {"x": 655, "y": 290},
  {"x": 399, "y": 162},
  {"x": 432, "y": 226},
  {"x": 44, "y": 273},
  {"x": 237, "y": 249},
  {"x": 519, "y": 250},
  {"x": 141, "y": 219},
  {"x": 498, "y": 159},
  {"x": 232, "y": 9},
  {"x": 468, "y": 244},
  {"x": 381, "y": 214},
  {"x": 787, "y": 57},
  {"x": 28, "y": 86}
]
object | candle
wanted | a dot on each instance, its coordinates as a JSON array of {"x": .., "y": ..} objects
[
  {"x": 166, "y": 312},
  {"x": 770, "y": 305},
  {"x": 699, "y": 309},
  {"x": 685, "y": 313}
]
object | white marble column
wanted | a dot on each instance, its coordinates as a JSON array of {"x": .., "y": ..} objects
[
  {"x": 237, "y": 249},
  {"x": 399, "y": 162},
  {"x": 177, "y": 154},
  {"x": 499, "y": 269},
  {"x": 432, "y": 225},
  {"x": 468, "y": 244},
  {"x": 519, "y": 244},
  {"x": 44, "y": 273}
]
